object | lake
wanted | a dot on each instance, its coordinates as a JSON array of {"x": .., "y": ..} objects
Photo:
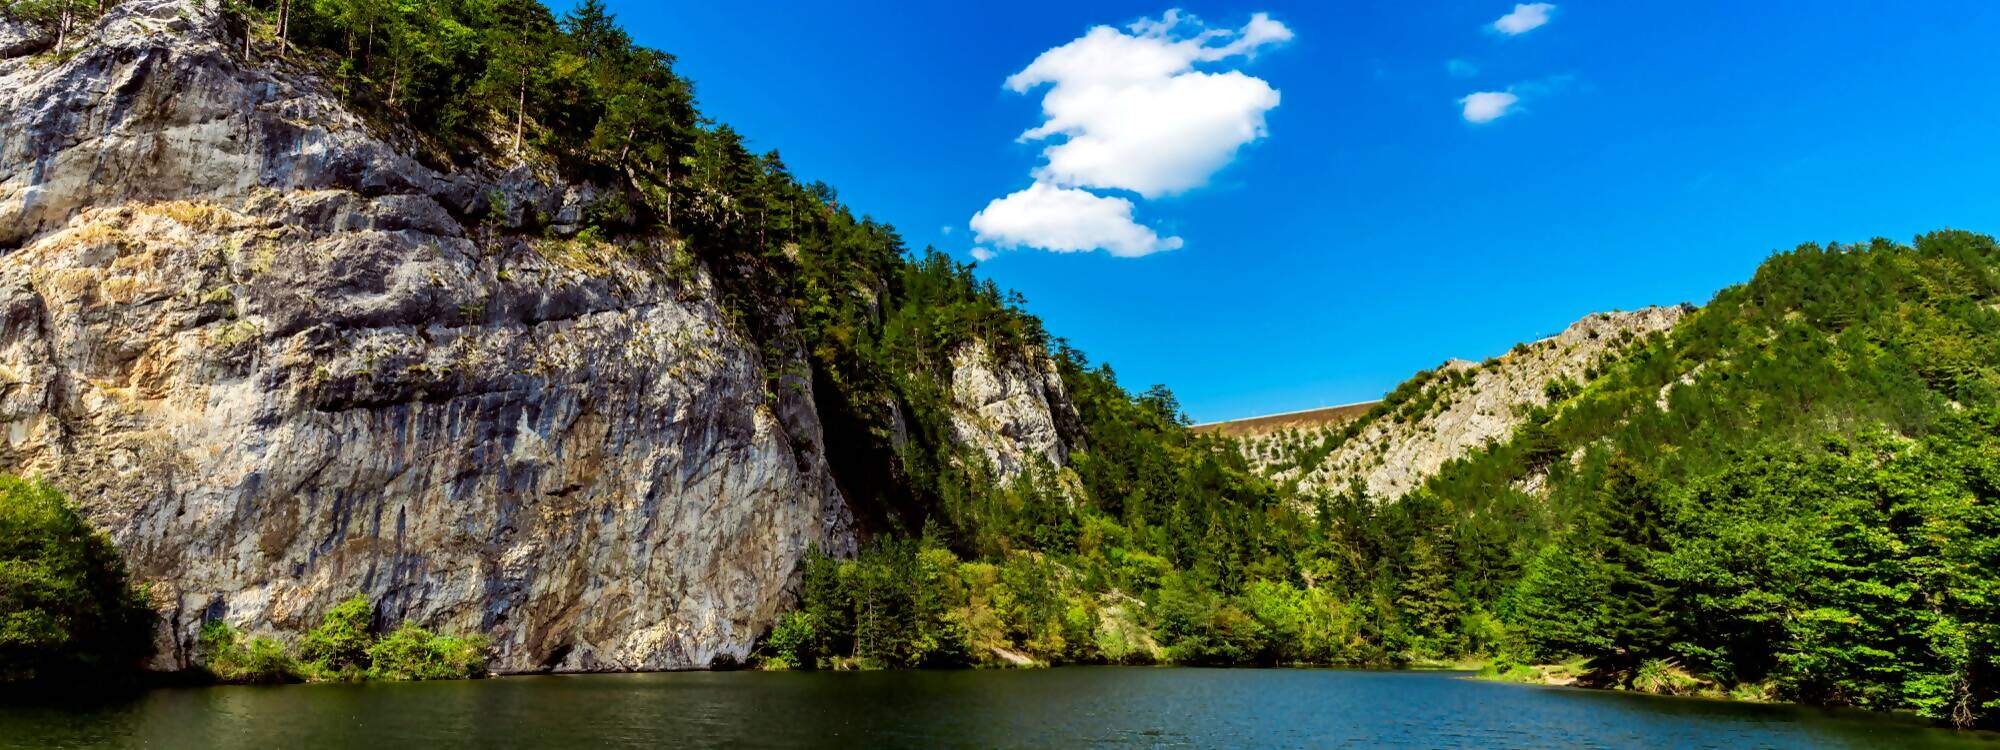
[{"x": 1043, "y": 708}]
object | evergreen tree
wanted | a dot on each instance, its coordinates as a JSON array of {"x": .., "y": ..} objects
[{"x": 1628, "y": 532}]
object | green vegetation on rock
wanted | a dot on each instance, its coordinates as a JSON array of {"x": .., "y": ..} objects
[
  {"x": 343, "y": 648},
  {"x": 230, "y": 658}
]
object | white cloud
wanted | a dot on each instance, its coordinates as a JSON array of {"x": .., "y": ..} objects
[
  {"x": 1487, "y": 106},
  {"x": 945, "y": 230},
  {"x": 982, "y": 254},
  {"x": 1525, "y": 18},
  {"x": 1131, "y": 112},
  {"x": 1461, "y": 68},
  {"x": 1066, "y": 220}
]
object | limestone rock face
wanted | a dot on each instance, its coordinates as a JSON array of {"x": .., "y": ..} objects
[
  {"x": 283, "y": 364},
  {"x": 1013, "y": 409},
  {"x": 20, "y": 38},
  {"x": 1463, "y": 406}
]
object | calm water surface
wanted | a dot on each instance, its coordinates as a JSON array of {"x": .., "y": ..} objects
[{"x": 1049, "y": 708}]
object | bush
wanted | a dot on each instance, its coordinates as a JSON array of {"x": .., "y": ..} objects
[
  {"x": 338, "y": 648},
  {"x": 413, "y": 653},
  {"x": 68, "y": 612},
  {"x": 231, "y": 659},
  {"x": 794, "y": 643},
  {"x": 1665, "y": 677}
]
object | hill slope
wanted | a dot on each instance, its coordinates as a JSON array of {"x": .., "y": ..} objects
[
  {"x": 1443, "y": 414},
  {"x": 1791, "y": 492}
]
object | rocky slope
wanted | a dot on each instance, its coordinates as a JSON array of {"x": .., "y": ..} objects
[
  {"x": 282, "y": 363},
  {"x": 1013, "y": 410},
  {"x": 1446, "y": 413}
]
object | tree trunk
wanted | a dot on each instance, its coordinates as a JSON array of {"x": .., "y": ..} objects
[
  {"x": 520, "y": 113},
  {"x": 284, "y": 24},
  {"x": 62, "y": 27}
]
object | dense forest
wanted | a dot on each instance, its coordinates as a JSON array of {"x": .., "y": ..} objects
[{"x": 1789, "y": 496}]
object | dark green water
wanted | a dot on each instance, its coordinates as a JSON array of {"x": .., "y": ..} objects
[{"x": 1051, "y": 708}]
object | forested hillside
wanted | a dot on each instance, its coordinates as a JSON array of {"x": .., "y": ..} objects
[
  {"x": 1788, "y": 493},
  {"x": 1792, "y": 492}
]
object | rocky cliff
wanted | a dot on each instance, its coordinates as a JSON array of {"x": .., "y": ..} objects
[
  {"x": 1013, "y": 410},
  {"x": 1446, "y": 413},
  {"x": 282, "y": 362}
]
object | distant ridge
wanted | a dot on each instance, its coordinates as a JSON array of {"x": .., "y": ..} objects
[{"x": 1291, "y": 420}]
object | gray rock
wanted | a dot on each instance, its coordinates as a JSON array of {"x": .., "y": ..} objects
[
  {"x": 1011, "y": 408},
  {"x": 18, "y": 38},
  {"x": 283, "y": 363},
  {"x": 1396, "y": 452}
]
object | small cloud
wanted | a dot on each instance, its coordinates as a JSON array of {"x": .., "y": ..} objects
[
  {"x": 1155, "y": 108},
  {"x": 1487, "y": 106},
  {"x": 1459, "y": 68},
  {"x": 1127, "y": 110},
  {"x": 1067, "y": 220},
  {"x": 945, "y": 230},
  {"x": 1525, "y": 18},
  {"x": 982, "y": 254}
]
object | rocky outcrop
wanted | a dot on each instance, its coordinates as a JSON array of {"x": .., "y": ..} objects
[
  {"x": 283, "y": 363},
  {"x": 1456, "y": 409},
  {"x": 18, "y": 38},
  {"x": 1012, "y": 409}
]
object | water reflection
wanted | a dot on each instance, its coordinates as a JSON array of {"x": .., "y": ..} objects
[{"x": 1057, "y": 708}]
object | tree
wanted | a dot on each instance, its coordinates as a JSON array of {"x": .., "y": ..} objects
[
  {"x": 595, "y": 32},
  {"x": 517, "y": 43},
  {"x": 1426, "y": 601},
  {"x": 1628, "y": 535},
  {"x": 68, "y": 611},
  {"x": 339, "y": 646}
]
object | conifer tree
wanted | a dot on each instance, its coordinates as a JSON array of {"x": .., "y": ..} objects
[{"x": 1629, "y": 526}]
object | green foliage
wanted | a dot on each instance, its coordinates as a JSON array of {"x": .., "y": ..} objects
[
  {"x": 413, "y": 653},
  {"x": 794, "y": 642},
  {"x": 68, "y": 612},
  {"x": 1808, "y": 514},
  {"x": 230, "y": 658},
  {"x": 338, "y": 647},
  {"x": 343, "y": 648}
]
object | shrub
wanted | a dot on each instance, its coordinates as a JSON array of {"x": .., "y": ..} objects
[
  {"x": 338, "y": 648},
  {"x": 413, "y": 653},
  {"x": 227, "y": 656},
  {"x": 1664, "y": 677},
  {"x": 794, "y": 642},
  {"x": 68, "y": 612}
]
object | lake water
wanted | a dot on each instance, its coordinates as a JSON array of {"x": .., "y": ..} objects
[{"x": 1047, "y": 708}]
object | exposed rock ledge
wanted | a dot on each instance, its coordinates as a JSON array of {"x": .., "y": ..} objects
[
  {"x": 1013, "y": 410},
  {"x": 1397, "y": 451}
]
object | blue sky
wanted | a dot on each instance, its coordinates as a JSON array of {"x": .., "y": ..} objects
[{"x": 1656, "y": 153}]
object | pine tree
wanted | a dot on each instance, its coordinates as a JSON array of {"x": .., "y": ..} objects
[
  {"x": 1629, "y": 522},
  {"x": 1427, "y": 604}
]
